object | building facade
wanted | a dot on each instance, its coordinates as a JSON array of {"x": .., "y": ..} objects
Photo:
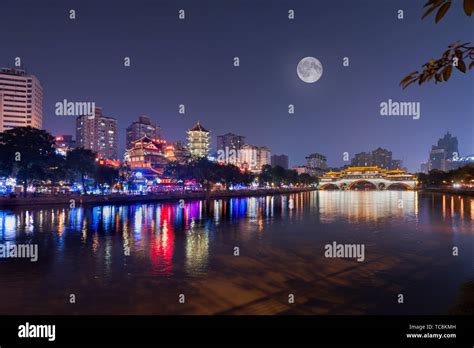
[
  {"x": 198, "y": 141},
  {"x": 143, "y": 127},
  {"x": 149, "y": 156},
  {"x": 279, "y": 160},
  {"x": 98, "y": 133},
  {"x": 316, "y": 164},
  {"x": 437, "y": 160},
  {"x": 381, "y": 158},
  {"x": 228, "y": 148},
  {"x": 300, "y": 169},
  {"x": 21, "y": 100},
  {"x": 253, "y": 158},
  {"x": 443, "y": 153},
  {"x": 230, "y": 141}
]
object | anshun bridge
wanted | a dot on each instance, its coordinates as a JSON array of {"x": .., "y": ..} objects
[{"x": 354, "y": 178}]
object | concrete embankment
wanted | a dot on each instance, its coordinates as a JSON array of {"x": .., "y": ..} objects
[{"x": 79, "y": 200}]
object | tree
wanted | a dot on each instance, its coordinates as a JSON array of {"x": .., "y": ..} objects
[
  {"x": 306, "y": 179},
  {"x": 25, "y": 154},
  {"x": 228, "y": 174},
  {"x": 278, "y": 175},
  {"x": 247, "y": 178},
  {"x": 57, "y": 170},
  {"x": 265, "y": 177},
  {"x": 125, "y": 177},
  {"x": 81, "y": 163},
  {"x": 437, "y": 177},
  {"x": 178, "y": 171},
  {"x": 455, "y": 56},
  {"x": 105, "y": 175},
  {"x": 205, "y": 172}
]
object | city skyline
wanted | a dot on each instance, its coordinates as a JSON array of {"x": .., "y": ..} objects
[
  {"x": 251, "y": 99},
  {"x": 88, "y": 139}
]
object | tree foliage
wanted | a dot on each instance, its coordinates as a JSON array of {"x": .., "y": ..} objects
[
  {"x": 26, "y": 153},
  {"x": 81, "y": 164},
  {"x": 459, "y": 56},
  {"x": 105, "y": 176},
  {"x": 437, "y": 177},
  {"x": 208, "y": 173}
]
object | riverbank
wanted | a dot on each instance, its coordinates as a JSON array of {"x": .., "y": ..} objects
[
  {"x": 452, "y": 191},
  {"x": 118, "y": 198}
]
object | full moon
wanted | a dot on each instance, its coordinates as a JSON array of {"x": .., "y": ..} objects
[{"x": 309, "y": 69}]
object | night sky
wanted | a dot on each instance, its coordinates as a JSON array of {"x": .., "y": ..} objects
[{"x": 190, "y": 62}]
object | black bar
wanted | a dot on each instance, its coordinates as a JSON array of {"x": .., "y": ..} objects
[{"x": 242, "y": 330}]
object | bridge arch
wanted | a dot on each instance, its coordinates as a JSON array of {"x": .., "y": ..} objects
[
  {"x": 329, "y": 186},
  {"x": 352, "y": 185},
  {"x": 399, "y": 185}
]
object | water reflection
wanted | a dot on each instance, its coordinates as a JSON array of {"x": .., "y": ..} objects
[{"x": 174, "y": 238}]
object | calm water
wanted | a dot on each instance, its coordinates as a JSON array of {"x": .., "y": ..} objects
[{"x": 408, "y": 238}]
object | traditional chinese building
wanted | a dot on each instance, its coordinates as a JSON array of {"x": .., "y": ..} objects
[
  {"x": 373, "y": 176},
  {"x": 149, "y": 156},
  {"x": 198, "y": 141}
]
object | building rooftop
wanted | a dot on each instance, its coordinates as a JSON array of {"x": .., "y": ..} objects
[
  {"x": 198, "y": 127},
  {"x": 13, "y": 71}
]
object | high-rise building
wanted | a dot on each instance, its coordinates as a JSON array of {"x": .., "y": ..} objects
[
  {"x": 143, "y": 127},
  {"x": 362, "y": 159},
  {"x": 230, "y": 141},
  {"x": 449, "y": 144},
  {"x": 228, "y": 148},
  {"x": 198, "y": 141},
  {"x": 381, "y": 158},
  {"x": 445, "y": 151},
  {"x": 424, "y": 167},
  {"x": 21, "y": 100},
  {"x": 437, "y": 159},
  {"x": 98, "y": 133},
  {"x": 253, "y": 158},
  {"x": 316, "y": 164},
  {"x": 279, "y": 160}
]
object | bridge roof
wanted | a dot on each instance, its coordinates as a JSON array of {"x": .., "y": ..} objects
[{"x": 358, "y": 169}]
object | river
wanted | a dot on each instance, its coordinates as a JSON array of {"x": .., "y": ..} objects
[{"x": 255, "y": 255}]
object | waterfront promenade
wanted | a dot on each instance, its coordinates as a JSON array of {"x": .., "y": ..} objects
[{"x": 122, "y": 198}]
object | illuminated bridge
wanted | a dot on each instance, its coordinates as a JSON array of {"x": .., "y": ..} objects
[{"x": 366, "y": 178}]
